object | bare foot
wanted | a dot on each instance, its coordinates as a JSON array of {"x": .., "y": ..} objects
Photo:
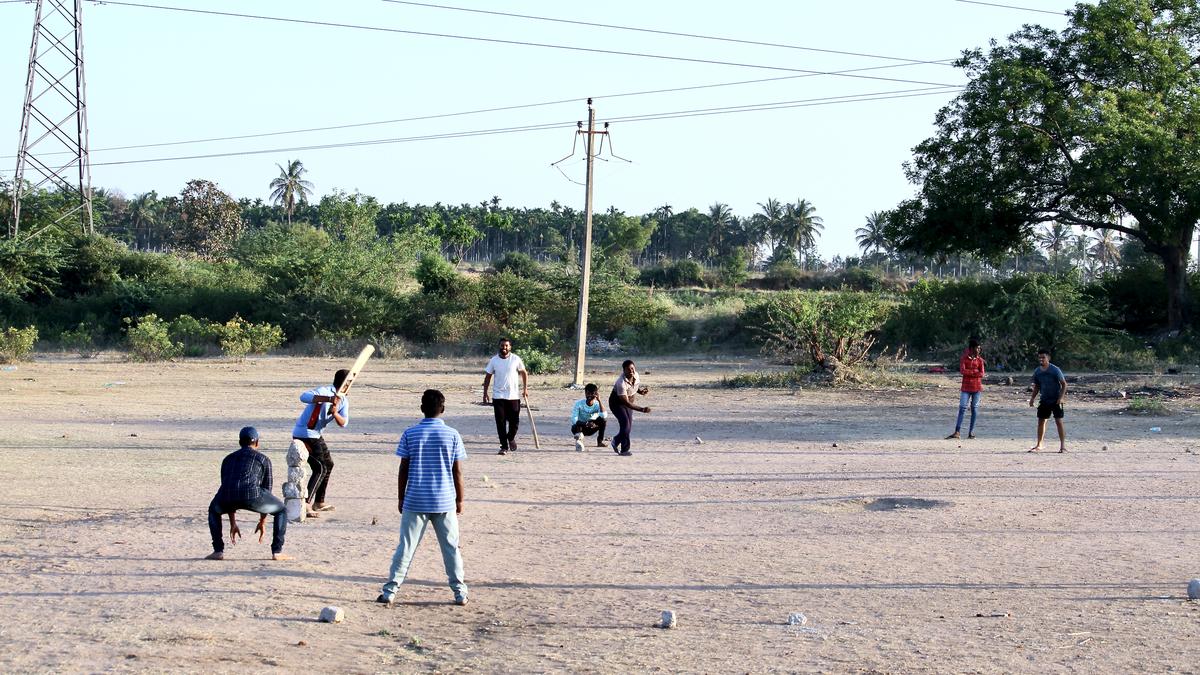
[
  {"x": 281, "y": 556},
  {"x": 953, "y": 435},
  {"x": 312, "y": 514},
  {"x": 1062, "y": 450},
  {"x": 1036, "y": 448},
  {"x": 215, "y": 555}
]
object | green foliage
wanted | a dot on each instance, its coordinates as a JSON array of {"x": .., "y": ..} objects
[
  {"x": 518, "y": 264},
  {"x": 734, "y": 267},
  {"x": 29, "y": 268},
  {"x": 210, "y": 220},
  {"x": 1030, "y": 141},
  {"x": 437, "y": 276},
  {"x": 150, "y": 339},
  {"x": 676, "y": 274},
  {"x": 806, "y": 327},
  {"x": 540, "y": 363},
  {"x": 17, "y": 343},
  {"x": 1013, "y": 318},
  {"x": 768, "y": 380},
  {"x": 81, "y": 339},
  {"x": 1148, "y": 406},
  {"x": 238, "y": 337}
]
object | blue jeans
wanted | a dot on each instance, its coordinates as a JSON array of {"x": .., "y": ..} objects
[
  {"x": 963, "y": 399},
  {"x": 412, "y": 528},
  {"x": 267, "y": 504}
]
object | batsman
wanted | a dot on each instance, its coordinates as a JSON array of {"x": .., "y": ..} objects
[{"x": 321, "y": 406}]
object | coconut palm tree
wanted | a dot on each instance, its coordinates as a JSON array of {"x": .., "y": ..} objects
[
  {"x": 290, "y": 188},
  {"x": 1105, "y": 249},
  {"x": 801, "y": 226},
  {"x": 143, "y": 216},
  {"x": 872, "y": 235},
  {"x": 1053, "y": 238},
  {"x": 771, "y": 218}
]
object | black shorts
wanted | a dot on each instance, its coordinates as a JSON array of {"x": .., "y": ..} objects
[{"x": 1045, "y": 410}]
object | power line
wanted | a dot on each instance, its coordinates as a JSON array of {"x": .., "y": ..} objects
[
  {"x": 522, "y": 43},
  {"x": 701, "y": 112},
  {"x": 1027, "y": 9},
  {"x": 666, "y": 32},
  {"x": 433, "y": 116}
]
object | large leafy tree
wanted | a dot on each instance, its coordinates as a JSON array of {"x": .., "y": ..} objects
[
  {"x": 1082, "y": 127},
  {"x": 290, "y": 188},
  {"x": 210, "y": 221}
]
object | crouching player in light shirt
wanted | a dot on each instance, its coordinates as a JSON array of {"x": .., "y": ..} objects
[{"x": 588, "y": 418}]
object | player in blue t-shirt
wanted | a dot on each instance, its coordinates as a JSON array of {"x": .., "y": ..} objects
[
  {"x": 588, "y": 417},
  {"x": 430, "y": 491},
  {"x": 1049, "y": 381},
  {"x": 321, "y": 406}
]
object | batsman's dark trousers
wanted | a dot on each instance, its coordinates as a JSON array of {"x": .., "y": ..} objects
[
  {"x": 321, "y": 464},
  {"x": 508, "y": 419}
]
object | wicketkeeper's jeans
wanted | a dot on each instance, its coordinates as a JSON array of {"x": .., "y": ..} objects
[{"x": 267, "y": 504}]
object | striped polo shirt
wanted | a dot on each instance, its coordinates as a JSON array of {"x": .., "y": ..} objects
[{"x": 431, "y": 448}]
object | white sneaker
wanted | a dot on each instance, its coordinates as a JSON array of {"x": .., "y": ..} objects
[{"x": 578, "y": 445}]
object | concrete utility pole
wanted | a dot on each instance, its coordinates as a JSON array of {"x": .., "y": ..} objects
[
  {"x": 54, "y": 117},
  {"x": 586, "y": 263}
]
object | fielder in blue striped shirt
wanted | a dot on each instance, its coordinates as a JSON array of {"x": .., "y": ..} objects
[{"x": 430, "y": 490}]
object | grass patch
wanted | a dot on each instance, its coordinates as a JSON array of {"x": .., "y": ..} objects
[
  {"x": 788, "y": 379},
  {"x": 1147, "y": 406}
]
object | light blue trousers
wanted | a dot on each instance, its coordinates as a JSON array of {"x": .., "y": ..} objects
[
  {"x": 412, "y": 529},
  {"x": 964, "y": 399}
]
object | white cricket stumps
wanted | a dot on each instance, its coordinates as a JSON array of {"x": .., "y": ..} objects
[{"x": 295, "y": 490}]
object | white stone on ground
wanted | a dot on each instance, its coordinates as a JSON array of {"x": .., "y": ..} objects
[
  {"x": 797, "y": 619},
  {"x": 332, "y": 615},
  {"x": 668, "y": 619}
]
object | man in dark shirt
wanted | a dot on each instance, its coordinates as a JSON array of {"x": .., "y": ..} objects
[
  {"x": 246, "y": 484},
  {"x": 1050, "y": 382}
]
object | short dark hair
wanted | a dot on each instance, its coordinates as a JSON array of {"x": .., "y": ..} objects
[
  {"x": 626, "y": 364},
  {"x": 504, "y": 339},
  {"x": 433, "y": 403},
  {"x": 339, "y": 377},
  {"x": 1044, "y": 351},
  {"x": 590, "y": 388},
  {"x": 973, "y": 342}
]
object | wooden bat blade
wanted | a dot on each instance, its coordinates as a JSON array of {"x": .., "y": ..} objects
[{"x": 359, "y": 363}]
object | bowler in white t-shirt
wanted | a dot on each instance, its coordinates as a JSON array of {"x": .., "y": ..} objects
[{"x": 505, "y": 396}]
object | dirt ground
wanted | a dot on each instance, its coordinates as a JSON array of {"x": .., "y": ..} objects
[{"x": 1031, "y": 562}]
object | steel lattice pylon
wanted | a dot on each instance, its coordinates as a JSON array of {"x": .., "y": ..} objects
[{"x": 54, "y": 119}]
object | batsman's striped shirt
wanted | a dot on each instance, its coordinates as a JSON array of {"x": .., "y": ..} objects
[{"x": 431, "y": 448}]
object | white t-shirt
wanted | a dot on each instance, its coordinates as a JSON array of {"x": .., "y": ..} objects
[{"x": 506, "y": 383}]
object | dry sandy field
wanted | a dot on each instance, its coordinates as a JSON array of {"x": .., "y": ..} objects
[{"x": 737, "y": 509}]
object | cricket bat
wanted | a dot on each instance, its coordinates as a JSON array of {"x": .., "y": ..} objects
[
  {"x": 537, "y": 443},
  {"x": 361, "y": 361}
]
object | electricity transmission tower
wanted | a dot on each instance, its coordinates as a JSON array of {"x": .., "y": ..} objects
[{"x": 54, "y": 134}]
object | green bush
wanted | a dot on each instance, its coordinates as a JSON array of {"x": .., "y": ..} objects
[
  {"x": 196, "y": 336},
  {"x": 436, "y": 275},
  {"x": 674, "y": 274},
  {"x": 239, "y": 337},
  {"x": 519, "y": 264},
  {"x": 81, "y": 339},
  {"x": 150, "y": 339},
  {"x": 808, "y": 326},
  {"x": 17, "y": 343},
  {"x": 734, "y": 267},
  {"x": 539, "y": 362}
]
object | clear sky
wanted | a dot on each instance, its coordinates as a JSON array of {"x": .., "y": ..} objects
[{"x": 156, "y": 76}]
